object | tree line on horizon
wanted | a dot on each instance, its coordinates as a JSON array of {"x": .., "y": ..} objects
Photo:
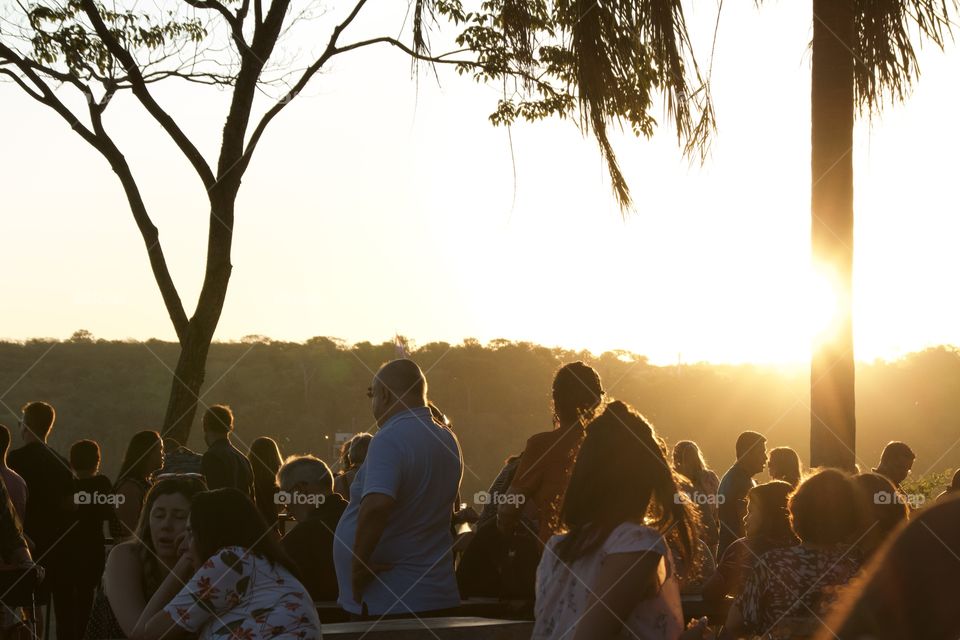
[{"x": 497, "y": 395}]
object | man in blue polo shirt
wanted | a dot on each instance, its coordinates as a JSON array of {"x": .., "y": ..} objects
[{"x": 393, "y": 545}]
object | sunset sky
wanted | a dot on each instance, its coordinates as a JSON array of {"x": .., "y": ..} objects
[{"x": 377, "y": 204}]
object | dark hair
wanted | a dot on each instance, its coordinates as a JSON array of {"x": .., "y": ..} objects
[
  {"x": 135, "y": 458},
  {"x": 357, "y": 451},
  {"x": 621, "y": 475},
  {"x": 771, "y": 499},
  {"x": 265, "y": 458},
  {"x": 823, "y": 509},
  {"x": 747, "y": 441},
  {"x": 910, "y": 587},
  {"x": 39, "y": 417},
  {"x": 228, "y": 518},
  {"x": 955, "y": 483},
  {"x": 900, "y": 450},
  {"x": 787, "y": 459},
  {"x": 218, "y": 419},
  {"x": 265, "y": 461},
  {"x": 880, "y": 509},
  {"x": 4, "y": 443},
  {"x": 183, "y": 485},
  {"x": 85, "y": 455},
  {"x": 577, "y": 393}
]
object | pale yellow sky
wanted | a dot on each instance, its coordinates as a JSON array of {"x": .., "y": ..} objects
[{"x": 375, "y": 206}]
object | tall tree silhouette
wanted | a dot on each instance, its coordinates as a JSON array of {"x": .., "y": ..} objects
[
  {"x": 862, "y": 55},
  {"x": 601, "y": 62}
]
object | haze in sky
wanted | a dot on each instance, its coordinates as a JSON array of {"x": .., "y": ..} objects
[{"x": 380, "y": 204}]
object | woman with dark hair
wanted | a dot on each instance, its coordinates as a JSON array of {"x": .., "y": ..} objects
[
  {"x": 355, "y": 452},
  {"x": 234, "y": 580},
  {"x": 619, "y": 510},
  {"x": 910, "y": 587},
  {"x": 136, "y": 568},
  {"x": 144, "y": 456},
  {"x": 547, "y": 460},
  {"x": 880, "y": 509},
  {"x": 792, "y": 587},
  {"x": 265, "y": 460},
  {"x": 784, "y": 464},
  {"x": 701, "y": 485},
  {"x": 767, "y": 526}
]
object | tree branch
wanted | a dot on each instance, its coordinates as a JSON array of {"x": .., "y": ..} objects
[
  {"x": 139, "y": 88},
  {"x": 235, "y": 23},
  {"x": 101, "y": 141},
  {"x": 19, "y": 81}
]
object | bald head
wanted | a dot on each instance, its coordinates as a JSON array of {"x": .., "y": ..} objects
[
  {"x": 398, "y": 385},
  {"x": 403, "y": 378}
]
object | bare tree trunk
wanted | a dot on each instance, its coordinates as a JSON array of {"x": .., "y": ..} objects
[
  {"x": 191, "y": 366},
  {"x": 832, "y": 404}
]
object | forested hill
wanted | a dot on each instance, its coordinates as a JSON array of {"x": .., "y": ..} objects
[{"x": 497, "y": 395}]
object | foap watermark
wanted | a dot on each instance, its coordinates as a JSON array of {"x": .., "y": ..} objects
[
  {"x": 96, "y": 498},
  {"x": 287, "y": 498},
  {"x": 699, "y": 498},
  {"x": 485, "y": 498},
  {"x": 912, "y": 500}
]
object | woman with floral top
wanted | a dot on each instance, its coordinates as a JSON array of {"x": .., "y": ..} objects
[
  {"x": 233, "y": 581},
  {"x": 792, "y": 588}
]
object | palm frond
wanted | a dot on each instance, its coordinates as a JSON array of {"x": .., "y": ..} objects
[{"x": 888, "y": 33}]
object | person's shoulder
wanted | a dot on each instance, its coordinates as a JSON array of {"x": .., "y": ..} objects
[
  {"x": 632, "y": 537},
  {"x": 540, "y": 441},
  {"x": 12, "y": 477},
  {"x": 781, "y": 555},
  {"x": 124, "y": 554}
]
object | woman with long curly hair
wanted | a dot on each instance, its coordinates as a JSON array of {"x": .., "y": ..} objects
[{"x": 622, "y": 514}]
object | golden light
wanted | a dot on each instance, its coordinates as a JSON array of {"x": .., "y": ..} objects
[{"x": 824, "y": 305}]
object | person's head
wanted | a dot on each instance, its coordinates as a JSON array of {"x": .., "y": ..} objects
[
  {"x": 767, "y": 515},
  {"x": 228, "y": 518},
  {"x": 217, "y": 423},
  {"x": 163, "y": 518},
  {"x": 36, "y": 421},
  {"x": 880, "y": 509},
  {"x": 622, "y": 475},
  {"x": 751, "y": 452},
  {"x": 896, "y": 461},
  {"x": 784, "y": 464},
  {"x": 398, "y": 385},
  {"x": 85, "y": 457},
  {"x": 955, "y": 483},
  {"x": 265, "y": 460},
  {"x": 823, "y": 509},
  {"x": 688, "y": 460},
  {"x": 144, "y": 456},
  {"x": 4, "y": 443},
  {"x": 577, "y": 393},
  {"x": 305, "y": 483},
  {"x": 909, "y": 588},
  {"x": 358, "y": 448}
]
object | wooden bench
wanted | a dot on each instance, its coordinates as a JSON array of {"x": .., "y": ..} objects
[{"x": 431, "y": 629}]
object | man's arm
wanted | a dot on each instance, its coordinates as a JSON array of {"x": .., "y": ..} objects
[{"x": 375, "y": 510}]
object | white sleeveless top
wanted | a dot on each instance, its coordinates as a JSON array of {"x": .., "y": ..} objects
[{"x": 563, "y": 590}]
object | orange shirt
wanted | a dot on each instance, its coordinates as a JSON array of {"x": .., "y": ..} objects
[{"x": 544, "y": 472}]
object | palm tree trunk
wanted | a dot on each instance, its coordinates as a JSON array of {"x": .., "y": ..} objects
[{"x": 832, "y": 405}]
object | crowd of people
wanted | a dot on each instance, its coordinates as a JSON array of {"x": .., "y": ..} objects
[{"x": 597, "y": 526}]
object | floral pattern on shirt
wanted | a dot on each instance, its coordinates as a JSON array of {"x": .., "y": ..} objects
[
  {"x": 237, "y": 595},
  {"x": 794, "y": 583}
]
